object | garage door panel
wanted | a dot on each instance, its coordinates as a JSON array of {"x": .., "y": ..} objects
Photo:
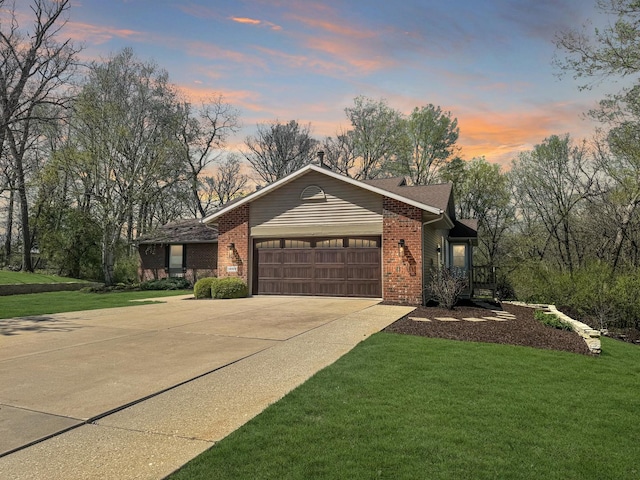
[
  {"x": 363, "y": 273},
  {"x": 319, "y": 271},
  {"x": 299, "y": 272},
  {"x": 332, "y": 289},
  {"x": 297, "y": 287}
]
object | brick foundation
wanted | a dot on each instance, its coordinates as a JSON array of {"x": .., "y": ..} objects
[
  {"x": 233, "y": 227},
  {"x": 401, "y": 275}
]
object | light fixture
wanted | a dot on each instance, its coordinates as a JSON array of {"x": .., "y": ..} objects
[
  {"x": 401, "y": 246},
  {"x": 231, "y": 249},
  {"x": 438, "y": 249}
]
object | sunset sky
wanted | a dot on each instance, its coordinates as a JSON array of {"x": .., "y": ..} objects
[{"x": 488, "y": 62}]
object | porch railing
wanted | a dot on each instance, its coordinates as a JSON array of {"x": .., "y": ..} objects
[{"x": 484, "y": 278}]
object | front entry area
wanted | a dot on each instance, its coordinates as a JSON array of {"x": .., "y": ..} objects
[{"x": 338, "y": 267}]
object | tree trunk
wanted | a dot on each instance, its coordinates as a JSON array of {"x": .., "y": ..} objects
[
  {"x": 108, "y": 255},
  {"x": 621, "y": 232},
  {"x": 9, "y": 228}
]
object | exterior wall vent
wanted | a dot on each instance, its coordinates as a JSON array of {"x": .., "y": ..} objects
[{"x": 312, "y": 193}]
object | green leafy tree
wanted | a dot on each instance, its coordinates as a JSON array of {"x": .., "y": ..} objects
[
  {"x": 371, "y": 148},
  {"x": 431, "y": 143},
  {"x": 611, "y": 51},
  {"x": 125, "y": 153},
  {"x": 482, "y": 191}
]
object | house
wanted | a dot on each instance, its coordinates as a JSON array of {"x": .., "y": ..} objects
[
  {"x": 187, "y": 248},
  {"x": 316, "y": 232}
]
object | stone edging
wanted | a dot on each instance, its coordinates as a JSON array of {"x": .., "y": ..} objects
[{"x": 588, "y": 334}]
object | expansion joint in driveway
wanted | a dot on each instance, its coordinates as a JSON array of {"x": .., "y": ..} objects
[{"x": 93, "y": 420}]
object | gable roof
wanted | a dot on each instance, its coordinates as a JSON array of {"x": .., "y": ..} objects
[
  {"x": 381, "y": 187},
  {"x": 181, "y": 231}
]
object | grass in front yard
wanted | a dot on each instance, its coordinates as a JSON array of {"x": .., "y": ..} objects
[
  {"x": 402, "y": 407},
  {"x": 8, "y": 277},
  {"x": 57, "y": 302}
]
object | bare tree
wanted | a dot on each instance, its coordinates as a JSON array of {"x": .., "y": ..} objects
[
  {"x": 224, "y": 185},
  {"x": 279, "y": 149},
  {"x": 203, "y": 135},
  {"x": 34, "y": 66},
  {"x": 551, "y": 183}
]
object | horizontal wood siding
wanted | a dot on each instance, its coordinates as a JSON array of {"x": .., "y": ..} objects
[
  {"x": 430, "y": 242},
  {"x": 345, "y": 209}
]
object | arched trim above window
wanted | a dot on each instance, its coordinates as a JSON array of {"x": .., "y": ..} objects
[{"x": 312, "y": 193}]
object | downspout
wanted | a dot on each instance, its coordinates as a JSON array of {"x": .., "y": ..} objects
[{"x": 440, "y": 217}]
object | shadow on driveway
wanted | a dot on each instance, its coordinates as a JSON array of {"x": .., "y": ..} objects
[{"x": 35, "y": 324}]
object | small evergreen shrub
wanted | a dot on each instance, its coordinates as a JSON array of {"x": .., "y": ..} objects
[
  {"x": 551, "y": 320},
  {"x": 172, "y": 283},
  {"x": 229, "y": 288},
  {"x": 202, "y": 288}
]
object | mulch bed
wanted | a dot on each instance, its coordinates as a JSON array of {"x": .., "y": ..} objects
[{"x": 525, "y": 330}]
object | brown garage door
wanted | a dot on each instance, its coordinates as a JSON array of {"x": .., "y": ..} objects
[{"x": 344, "y": 267}]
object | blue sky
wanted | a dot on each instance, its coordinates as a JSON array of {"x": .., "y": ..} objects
[{"x": 488, "y": 62}]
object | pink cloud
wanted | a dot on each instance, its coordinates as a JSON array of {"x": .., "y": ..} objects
[
  {"x": 253, "y": 21},
  {"x": 200, "y": 93},
  {"x": 97, "y": 34}
]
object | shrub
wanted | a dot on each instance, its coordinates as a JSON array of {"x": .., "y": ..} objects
[
  {"x": 125, "y": 270},
  {"x": 551, "y": 320},
  {"x": 229, "y": 288},
  {"x": 202, "y": 288},
  {"x": 172, "y": 283},
  {"x": 626, "y": 295},
  {"x": 446, "y": 286},
  {"x": 535, "y": 282}
]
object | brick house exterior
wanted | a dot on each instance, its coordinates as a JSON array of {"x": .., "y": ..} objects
[
  {"x": 402, "y": 275},
  {"x": 185, "y": 248},
  {"x": 233, "y": 238},
  {"x": 316, "y": 232}
]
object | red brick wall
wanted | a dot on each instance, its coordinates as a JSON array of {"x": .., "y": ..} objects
[
  {"x": 202, "y": 256},
  {"x": 233, "y": 227},
  {"x": 401, "y": 276},
  {"x": 152, "y": 256}
]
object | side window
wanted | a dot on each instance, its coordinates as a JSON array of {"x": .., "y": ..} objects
[
  {"x": 363, "y": 242},
  {"x": 297, "y": 243},
  {"x": 459, "y": 256},
  {"x": 268, "y": 243},
  {"x": 330, "y": 243},
  {"x": 177, "y": 260}
]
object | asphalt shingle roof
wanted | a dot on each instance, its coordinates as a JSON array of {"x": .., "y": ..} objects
[
  {"x": 436, "y": 195},
  {"x": 182, "y": 231}
]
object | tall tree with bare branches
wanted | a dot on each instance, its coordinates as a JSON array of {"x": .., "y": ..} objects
[{"x": 35, "y": 66}]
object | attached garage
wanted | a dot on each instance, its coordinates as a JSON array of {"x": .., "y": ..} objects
[
  {"x": 316, "y": 232},
  {"x": 345, "y": 266}
]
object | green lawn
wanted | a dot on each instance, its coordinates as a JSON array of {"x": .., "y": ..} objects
[
  {"x": 8, "y": 277},
  {"x": 402, "y": 407},
  {"x": 57, "y": 302}
]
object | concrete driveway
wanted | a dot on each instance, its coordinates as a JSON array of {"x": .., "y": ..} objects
[{"x": 154, "y": 370}]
